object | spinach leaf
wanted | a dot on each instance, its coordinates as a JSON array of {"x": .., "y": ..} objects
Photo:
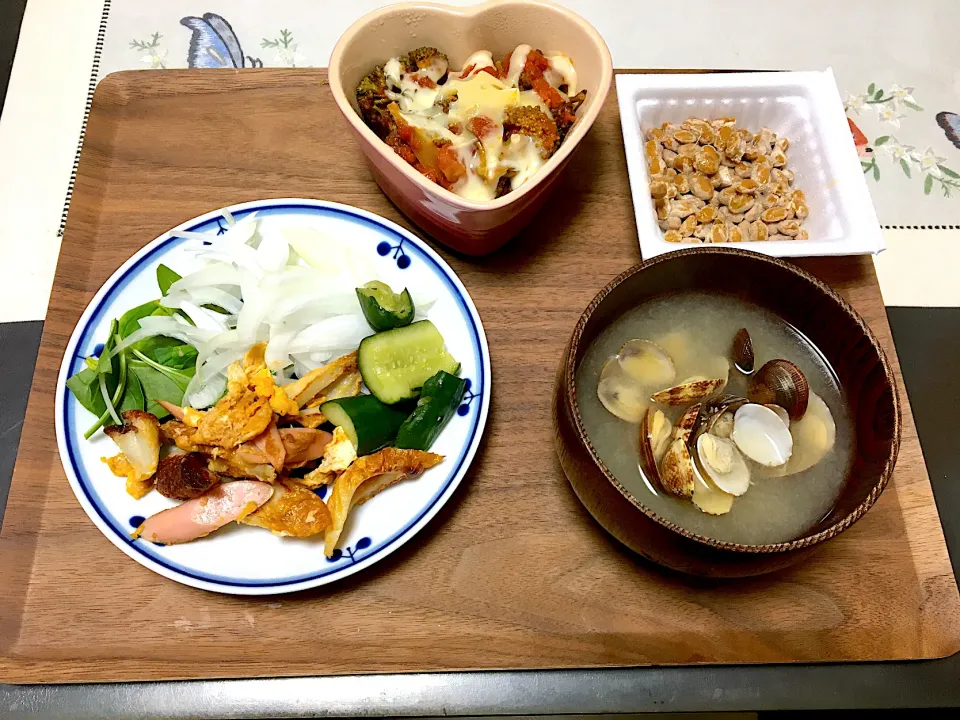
[
  {"x": 156, "y": 386},
  {"x": 85, "y": 386},
  {"x": 180, "y": 377},
  {"x": 179, "y": 357},
  {"x": 132, "y": 394},
  {"x": 165, "y": 278},
  {"x": 130, "y": 321},
  {"x": 109, "y": 367},
  {"x": 153, "y": 345}
]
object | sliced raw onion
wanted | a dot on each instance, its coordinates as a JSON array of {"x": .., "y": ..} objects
[
  {"x": 340, "y": 331},
  {"x": 204, "y": 296}
]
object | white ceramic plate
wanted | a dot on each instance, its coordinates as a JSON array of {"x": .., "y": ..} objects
[
  {"x": 802, "y": 106},
  {"x": 246, "y": 560}
]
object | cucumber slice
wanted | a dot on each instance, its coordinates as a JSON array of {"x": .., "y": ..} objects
[
  {"x": 395, "y": 364},
  {"x": 368, "y": 423}
]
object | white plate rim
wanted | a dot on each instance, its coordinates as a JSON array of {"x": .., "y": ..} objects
[{"x": 240, "y": 587}]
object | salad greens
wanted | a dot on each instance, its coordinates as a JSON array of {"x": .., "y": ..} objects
[
  {"x": 165, "y": 278},
  {"x": 153, "y": 369}
]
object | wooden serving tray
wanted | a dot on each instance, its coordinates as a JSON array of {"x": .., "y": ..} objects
[{"x": 513, "y": 573}]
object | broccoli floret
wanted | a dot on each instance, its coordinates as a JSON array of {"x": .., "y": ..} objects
[
  {"x": 373, "y": 101},
  {"x": 534, "y": 122},
  {"x": 431, "y": 59}
]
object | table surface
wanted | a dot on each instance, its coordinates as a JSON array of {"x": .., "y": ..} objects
[{"x": 927, "y": 339}]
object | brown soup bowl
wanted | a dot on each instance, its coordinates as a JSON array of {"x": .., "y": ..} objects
[
  {"x": 473, "y": 228},
  {"x": 811, "y": 307}
]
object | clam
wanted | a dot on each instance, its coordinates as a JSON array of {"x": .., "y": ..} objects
[
  {"x": 655, "y": 431},
  {"x": 723, "y": 464},
  {"x": 677, "y": 475},
  {"x": 687, "y": 423},
  {"x": 813, "y": 436},
  {"x": 717, "y": 415},
  {"x": 647, "y": 363},
  {"x": 691, "y": 390},
  {"x": 742, "y": 351},
  {"x": 716, "y": 367},
  {"x": 678, "y": 345},
  {"x": 620, "y": 394},
  {"x": 708, "y": 498},
  {"x": 781, "y": 413},
  {"x": 782, "y": 383},
  {"x": 722, "y": 424},
  {"x": 761, "y": 435}
]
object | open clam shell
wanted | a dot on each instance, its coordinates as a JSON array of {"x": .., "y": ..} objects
[
  {"x": 677, "y": 475},
  {"x": 781, "y": 413},
  {"x": 692, "y": 390},
  {"x": 742, "y": 351},
  {"x": 716, "y": 415},
  {"x": 678, "y": 344},
  {"x": 647, "y": 363},
  {"x": 620, "y": 394},
  {"x": 687, "y": 423},
  {"x": 721, "y": 461},
  {"x": 782, "y": 383},
  {"x": 814, "y": 435},
  {"x": 760, "y": 434},
  {"x": 655, "y": 432}
]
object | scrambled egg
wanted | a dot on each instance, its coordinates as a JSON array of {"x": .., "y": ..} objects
[{"x": 261, "y": 381}]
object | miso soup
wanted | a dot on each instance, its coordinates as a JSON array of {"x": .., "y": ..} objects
[{"x": 739, "y": 454}]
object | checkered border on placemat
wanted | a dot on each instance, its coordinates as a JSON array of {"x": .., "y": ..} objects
[{"x": 94, "y": 73}]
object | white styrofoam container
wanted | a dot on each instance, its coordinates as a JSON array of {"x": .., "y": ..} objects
[{"x": 802, "y": 106}]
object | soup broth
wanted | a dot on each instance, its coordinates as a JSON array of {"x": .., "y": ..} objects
[{"x": 696, "y": 330}]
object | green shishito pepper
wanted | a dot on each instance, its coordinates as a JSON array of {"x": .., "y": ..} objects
[
  {"x": 383, "y": 308},
  {"x": 439, "y": 400}
]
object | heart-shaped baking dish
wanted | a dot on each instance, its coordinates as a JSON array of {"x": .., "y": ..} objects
[{"x": 474, "y": 228}]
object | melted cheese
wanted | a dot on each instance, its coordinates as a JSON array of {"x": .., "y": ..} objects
[
  {"x": 480, "y": 59},
  {"x": 436, "y": 126},
  {"x": 473, "y": 187},
  {"x": 473, "y": 95},
  {"x": 481, "y": 94},
  {"x": 522, "y": 155},
  {"x": 518, "y": 58},
  {"x": 412, "y": 96},
  {"x": 392, "y": 72},
  {"x": 561, "y": 72}
]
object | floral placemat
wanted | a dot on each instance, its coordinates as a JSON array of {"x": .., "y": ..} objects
[
  {"x": 906, "y": 134},
  {"x": 904, "y": 50},
  {"x": 883, "y": 111}
]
